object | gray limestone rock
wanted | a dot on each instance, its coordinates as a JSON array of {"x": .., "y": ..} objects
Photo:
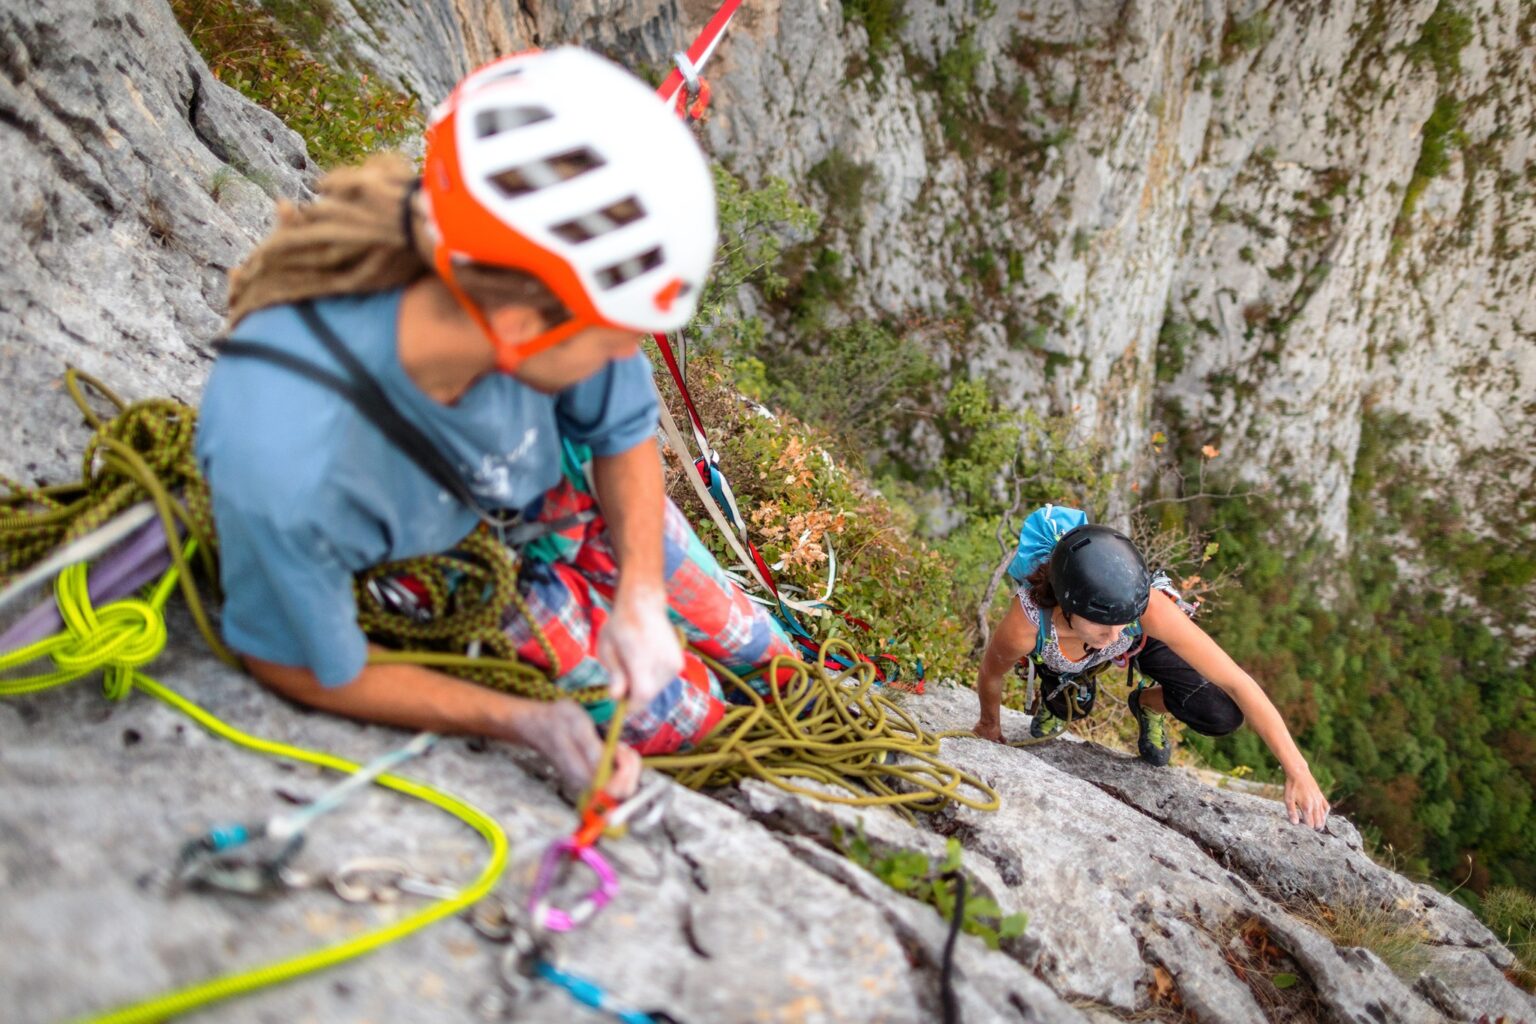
[{"x": 133, "y": 180}]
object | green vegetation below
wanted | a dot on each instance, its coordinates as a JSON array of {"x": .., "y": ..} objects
[
  {"x": 1416, "y": 715},
  {"x": 268, "y": 54}
]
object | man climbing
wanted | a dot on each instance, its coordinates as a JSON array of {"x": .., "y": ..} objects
[
  {"x": 496, "y": 312},
  {"x": 1085, "y": 598}
]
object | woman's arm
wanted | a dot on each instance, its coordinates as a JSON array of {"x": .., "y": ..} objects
[
  {"x": 1011, "y": 640},
  {"x": 1164, "y": 621},
  {"x": 420, "y": 698}
]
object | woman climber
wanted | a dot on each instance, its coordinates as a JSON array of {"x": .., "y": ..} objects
[
  {"x": 1085, "y": 598},
  {"x": 408, "y": 359}
]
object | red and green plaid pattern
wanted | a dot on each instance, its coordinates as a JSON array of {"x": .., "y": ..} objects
[{"x": 570, "y": 594}]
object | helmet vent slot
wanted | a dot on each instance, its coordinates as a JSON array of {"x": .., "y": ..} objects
[
  {"x": 601, "y": 222},
  {"x": 619, "y": 273},
  {"x": 505, "y": 119},
  {"x": 530, "y": 177}
]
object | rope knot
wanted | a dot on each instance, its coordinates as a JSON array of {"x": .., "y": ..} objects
[{"x": 116, "y": 639}]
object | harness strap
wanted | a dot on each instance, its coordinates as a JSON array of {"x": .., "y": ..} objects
[{"x": 365, "y": 394}]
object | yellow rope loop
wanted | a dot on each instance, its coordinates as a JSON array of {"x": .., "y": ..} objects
[{"x": 125, "y": 634}]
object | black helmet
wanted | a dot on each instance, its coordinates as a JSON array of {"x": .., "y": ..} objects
[{"x": 1096, "y": 572}]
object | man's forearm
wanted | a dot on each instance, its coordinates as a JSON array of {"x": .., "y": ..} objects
[
  {"x": 403, "y": 695},
  {"x": 633, "y": 501}
]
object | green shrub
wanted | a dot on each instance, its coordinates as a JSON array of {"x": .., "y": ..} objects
[
  {"x": 881, "y": 19},
  {"x": 798, "y": 499},
  {"x": 933, "y": 882},
  {"x": 954, "y": 79},
  {"x": 1173, "y": 341},
  {"x": 842, "y": 181},
  {"x": 1445, "y": 34},
  {"x": 756, "y": 226},
  {"x": 342, "y": 113},
  {"x": 1441, "y": 136},
  {"x": 1249, "y": 33}
]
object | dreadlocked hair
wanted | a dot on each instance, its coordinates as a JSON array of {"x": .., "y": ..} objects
[{"x": 355, "y": 238}]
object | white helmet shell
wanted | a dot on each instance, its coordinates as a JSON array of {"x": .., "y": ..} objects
[{"x": 588, "y": 168}]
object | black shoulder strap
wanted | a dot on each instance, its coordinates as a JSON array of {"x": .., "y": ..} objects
[{"x": 359, "y": 388}]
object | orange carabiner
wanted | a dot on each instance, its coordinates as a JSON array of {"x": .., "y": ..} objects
[{"x": 594, "y": 819}]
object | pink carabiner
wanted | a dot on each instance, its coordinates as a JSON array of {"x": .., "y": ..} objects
[{"x": 560, "y": 852}]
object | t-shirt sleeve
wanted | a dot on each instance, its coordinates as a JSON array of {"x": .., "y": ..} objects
[
  {"x": 611, "y": 411},
  {"x": 287, "y": 597}
]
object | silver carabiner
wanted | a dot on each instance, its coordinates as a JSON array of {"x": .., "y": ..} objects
[
  {"x": 691, "y": 80},
  {"x": 384, "y": 880}
]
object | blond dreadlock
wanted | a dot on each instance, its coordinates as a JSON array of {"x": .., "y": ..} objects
[{"x": 354, "y": 239}]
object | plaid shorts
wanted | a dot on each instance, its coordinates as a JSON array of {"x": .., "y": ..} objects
[{"x": 568, "y": 581}]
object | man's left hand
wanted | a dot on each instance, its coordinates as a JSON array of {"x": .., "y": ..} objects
[{"x": 638, "y": 646}]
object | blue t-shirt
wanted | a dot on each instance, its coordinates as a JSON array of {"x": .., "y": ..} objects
[{"x": 306, "y": 491}]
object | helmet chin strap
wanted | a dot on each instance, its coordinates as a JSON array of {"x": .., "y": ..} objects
[{"x": 509, "y": 355}]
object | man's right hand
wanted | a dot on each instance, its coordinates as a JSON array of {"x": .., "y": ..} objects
[{"x": 563, "y": 733}]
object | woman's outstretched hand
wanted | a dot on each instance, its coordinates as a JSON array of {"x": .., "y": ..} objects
[{"x": 1304, "y": 800}]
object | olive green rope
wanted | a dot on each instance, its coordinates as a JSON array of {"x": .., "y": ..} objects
[
  {"x": 832, "y": 726},
  {"x": 468, "y": 591},
  {"x": 828, "y": 725},
  {"x": 143, "y": 453}
]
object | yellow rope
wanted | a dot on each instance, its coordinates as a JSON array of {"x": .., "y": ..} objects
[
  {"x": 125, "y": 635},
  {"x": 830, "y": 725}
]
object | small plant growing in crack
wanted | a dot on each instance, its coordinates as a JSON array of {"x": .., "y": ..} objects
[
  {"x": 1399, "y": 941},
  {"x": 220, "y": 181},
  {"x": 931, "y": 881}
]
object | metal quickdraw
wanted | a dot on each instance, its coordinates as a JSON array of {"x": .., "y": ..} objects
[
  {"x": 384, "y": 880},
  {"x": 213, "y": 860},
  {"x": 690, "y": 66}
]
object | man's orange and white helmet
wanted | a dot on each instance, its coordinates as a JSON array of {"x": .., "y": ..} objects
[{"x": 563, "y": 165}]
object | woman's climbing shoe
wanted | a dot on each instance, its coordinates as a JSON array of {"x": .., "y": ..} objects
[
  {"x": 1045, "y": 725},
  {"x": 1152, "y": 743}
]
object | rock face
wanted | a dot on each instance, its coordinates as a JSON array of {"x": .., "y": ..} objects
[
  {"x": 134, "y": 179},
  {"x": 1145, "y": 889},
  {"x": 1224, "y": 219},
  {"x": 1226, "y": 176}
]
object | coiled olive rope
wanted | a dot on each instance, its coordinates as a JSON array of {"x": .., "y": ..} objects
[{"x": 828, "y": 725}]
